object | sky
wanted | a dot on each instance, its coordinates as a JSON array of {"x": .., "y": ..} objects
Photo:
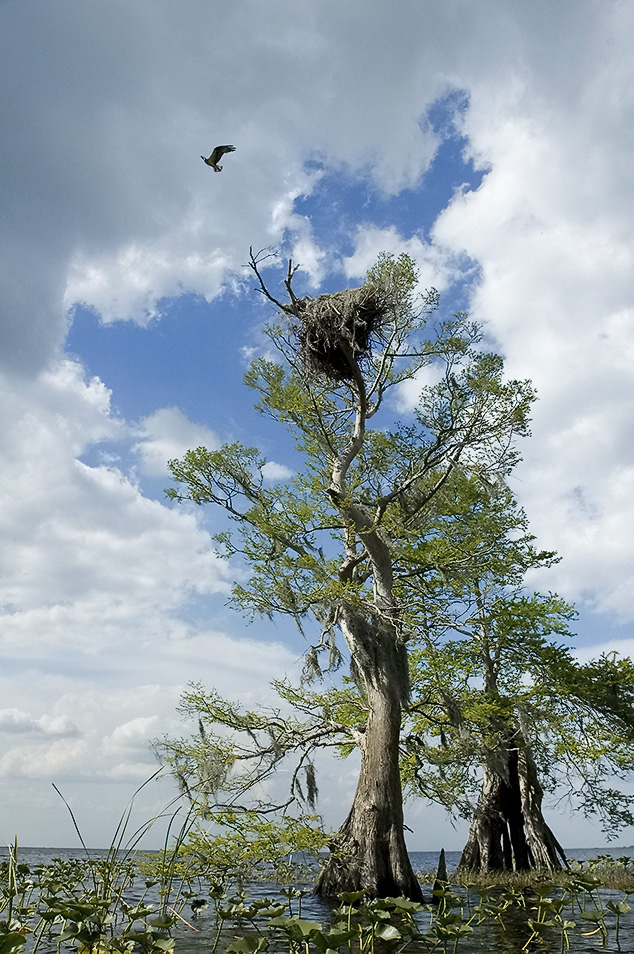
[{"x": 491, "y": 141}]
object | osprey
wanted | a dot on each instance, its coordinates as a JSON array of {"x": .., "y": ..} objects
[{"x": 217, "y": 154}]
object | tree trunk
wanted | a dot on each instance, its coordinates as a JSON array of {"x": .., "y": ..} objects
[
  {"x": 369, "y": 851},
  {"x": 508, "y": 831},
  {"x": 543, "y": 848}
]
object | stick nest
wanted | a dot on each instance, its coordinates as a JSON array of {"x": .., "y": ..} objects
[{"x": 334, "y": 328}]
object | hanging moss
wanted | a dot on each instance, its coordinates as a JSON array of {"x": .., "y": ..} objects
[{"x": 333, "y": 328}]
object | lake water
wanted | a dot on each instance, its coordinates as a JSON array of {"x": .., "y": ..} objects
[
  {"x": 421, "y": 860},
  {"x": 198, "y": 938}
]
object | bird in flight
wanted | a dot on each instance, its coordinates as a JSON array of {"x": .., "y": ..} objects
[{"x": 216, "y": 155}]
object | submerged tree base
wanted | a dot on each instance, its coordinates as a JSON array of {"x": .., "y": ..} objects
[
  {"x": 372, "y": 875},
  {"x": 359, "y": 860},
  {"x": 508, "y": 831}
]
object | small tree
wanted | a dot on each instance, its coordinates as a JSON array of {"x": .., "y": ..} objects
[
  {"x": 324, "y": 544},
  {"x": 501, "y": 706}
]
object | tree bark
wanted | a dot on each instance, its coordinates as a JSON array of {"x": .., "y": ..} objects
[
  {"x": 508, "y": 830},
  {"x": 543, "y": 848},
  {"x": 369, "y": 851}
]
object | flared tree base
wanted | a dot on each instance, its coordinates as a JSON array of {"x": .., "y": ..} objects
[
  {"x": 508, "y": 831},
  {"x": 364, "y": 858}
]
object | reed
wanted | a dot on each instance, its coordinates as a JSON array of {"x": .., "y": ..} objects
[{"x": 80, "y": 903}]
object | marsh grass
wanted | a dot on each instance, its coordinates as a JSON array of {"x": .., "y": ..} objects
[
  {"x": 603, "y": 871},
  {"x": 79, "y": 903},
  {"x": 553, "y": 910}
]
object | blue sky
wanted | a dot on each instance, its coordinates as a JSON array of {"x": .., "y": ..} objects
[{"x": 493, "y": 142}]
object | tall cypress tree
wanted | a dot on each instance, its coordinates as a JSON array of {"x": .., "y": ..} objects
[{"x": 323, "y": 547}]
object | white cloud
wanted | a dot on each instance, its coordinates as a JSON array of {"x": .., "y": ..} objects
[
  {"x": 92, "y": 572},
  {"x": 95, "y": 577},
  {"x": 61, "y": 725},
  {"x": 19, "y": 721},
  {"x": 127, "y": 213},
  {"x": 552, "y": 230},
  {"x": 133, "y": 734},
  {"x": 142, "y": 274},
  {"x": 272, "y": 471},
  {"x": 15, "y": 720},
  {"x": 409, "y": 392},
  {"x": 84, "y": 707},
  {"x": 437, "y": 267},
  {"x": 166, "y": 435}
]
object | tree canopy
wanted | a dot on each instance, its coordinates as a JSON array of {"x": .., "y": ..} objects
[
  {"x": 400, "y": 553},
  {"x": 501, "y": 708},
  {"x": 331, "y": 544}
]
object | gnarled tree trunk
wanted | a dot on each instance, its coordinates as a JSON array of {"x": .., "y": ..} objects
[
  {"x": 369, "y": 851},
  {"x": 508, "y": 830}
]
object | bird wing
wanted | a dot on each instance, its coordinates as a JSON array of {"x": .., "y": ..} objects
[{"x": 220, "y": 151}]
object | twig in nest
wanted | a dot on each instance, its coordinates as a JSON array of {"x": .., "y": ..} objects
[{"x": 334, "y": 329}]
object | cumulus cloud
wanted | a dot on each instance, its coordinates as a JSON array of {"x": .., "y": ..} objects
[
  {"x": 436, "y": 266},
  {"x": 166, "y": 435},
  {"x": 105, "y": 717},
  {"x": 272, "y": 471},
  {"x": 112, "y": 226},
  {"x": 553, "y": 236},
  {"x": 15, "y": 720},
  {"x": 95, "y": 575},
  {"x": 18, "y": 721},
  {"x": 409, "y": 392},
  {"x": 133, "y": 734}
]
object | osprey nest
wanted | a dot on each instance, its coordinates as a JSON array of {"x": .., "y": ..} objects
[{"x": 333, "y": 327}]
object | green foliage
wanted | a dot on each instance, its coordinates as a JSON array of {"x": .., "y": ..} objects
[
  {"x": 59, "y": 903},
  {"x": 16, "y": 903},
  {"x": 311, "y": 544},
  {"x": 555, "y": 915},
  {"x": 489, "y": 671},
  {"x": 249, "y": 847},
  {"x": 399, "y": 533},
  {"x": 293, "y": 536},
  {"x": 79, "y": 904},
  {"x": 222, "y": 768}
]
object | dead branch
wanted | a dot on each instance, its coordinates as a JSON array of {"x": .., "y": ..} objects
[{"x": 254, "y": 261}]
